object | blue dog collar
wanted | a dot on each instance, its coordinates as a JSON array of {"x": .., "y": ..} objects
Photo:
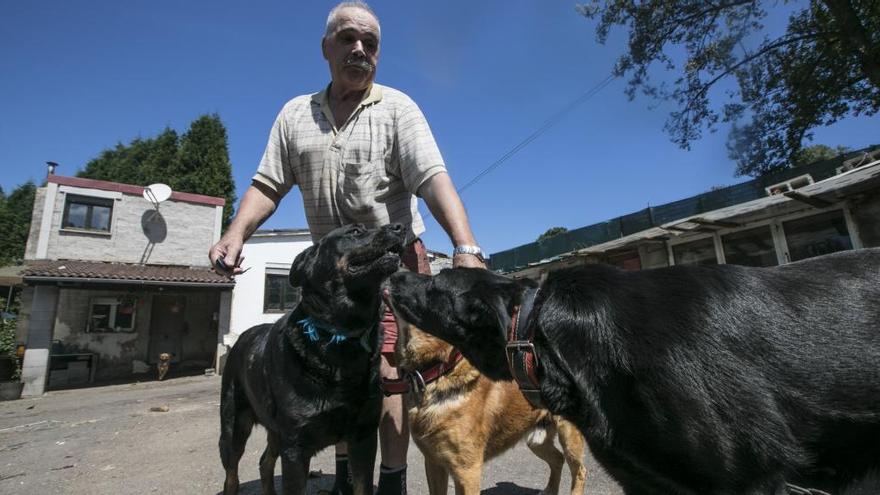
[{"x": 313, "y": 328}]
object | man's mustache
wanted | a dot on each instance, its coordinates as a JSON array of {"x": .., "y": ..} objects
[{"x": 360, "y": 63}]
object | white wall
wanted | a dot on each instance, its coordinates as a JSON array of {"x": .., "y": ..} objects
[{"x": 276, "y": 250}]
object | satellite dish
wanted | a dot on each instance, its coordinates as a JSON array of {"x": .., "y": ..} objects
[{"x": 156, "y": 193}]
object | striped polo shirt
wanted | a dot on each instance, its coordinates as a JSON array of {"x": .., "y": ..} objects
[{"x": 366, "y": 171}]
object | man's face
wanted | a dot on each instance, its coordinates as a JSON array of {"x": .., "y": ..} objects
[{"x": 352, "y": 50}]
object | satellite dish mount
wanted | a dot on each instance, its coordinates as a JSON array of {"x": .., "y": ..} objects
[{"x": 156, "y": 193}]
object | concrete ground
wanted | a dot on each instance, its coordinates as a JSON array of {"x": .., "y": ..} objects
[{"x": 117, "y": 440}]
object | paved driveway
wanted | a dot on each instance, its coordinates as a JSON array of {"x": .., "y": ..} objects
[{"x": 106, "y": 440}]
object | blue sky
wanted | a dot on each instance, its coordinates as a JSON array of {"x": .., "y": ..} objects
[{"x": 79, "y": 77}]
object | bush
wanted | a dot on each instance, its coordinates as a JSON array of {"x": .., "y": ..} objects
[{"x": 8, "y": 345}]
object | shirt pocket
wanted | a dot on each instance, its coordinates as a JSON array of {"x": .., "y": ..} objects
[{"x": 363, "y": 186}]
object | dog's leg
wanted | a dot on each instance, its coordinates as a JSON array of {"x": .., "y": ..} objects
[
  {"x": 267, "y": 463},
  {"x": 573, "y": 448},
  {"x": 437, "y": 476},
  {"x": 294, "y": 469},
  {"x": 236, "y": 422},
  {"x": 361, "y": 460},
  {"x": 540, "y": 441},
  {"x": 467, "y": 479}
]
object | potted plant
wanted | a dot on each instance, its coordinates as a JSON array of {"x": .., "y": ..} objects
[{"x": 10, "y": 366}]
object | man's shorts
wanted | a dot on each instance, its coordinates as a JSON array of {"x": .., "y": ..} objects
[{"x": 413, "y": 258}]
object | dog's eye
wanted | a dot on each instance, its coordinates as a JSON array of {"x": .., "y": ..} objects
[{"x": 357, "y": 232}]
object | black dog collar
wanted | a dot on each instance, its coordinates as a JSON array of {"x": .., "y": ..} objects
[{"x": 521, "y": 355}]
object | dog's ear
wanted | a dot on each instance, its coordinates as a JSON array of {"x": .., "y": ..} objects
[
  {"x": 302, "y": 266},
  {"x": 490, "y": 305}
]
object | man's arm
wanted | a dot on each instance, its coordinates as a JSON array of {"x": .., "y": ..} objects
[
  {"x": 443, "y": 201},
  {"x": 258, "y": 203}
]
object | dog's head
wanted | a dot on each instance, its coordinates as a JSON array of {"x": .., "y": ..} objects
[
  {"x": 341, "y": 274},
  {"x": 164, "y": 357},
  {"x": 468, "y": 307}
]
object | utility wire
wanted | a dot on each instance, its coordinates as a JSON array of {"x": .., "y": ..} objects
[{"x": 553, "y": 120}]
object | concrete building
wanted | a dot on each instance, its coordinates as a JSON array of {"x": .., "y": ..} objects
[{"x": 113, "y": 280}]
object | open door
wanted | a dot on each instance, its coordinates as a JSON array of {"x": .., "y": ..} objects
[{"x": 167, "y": 326}]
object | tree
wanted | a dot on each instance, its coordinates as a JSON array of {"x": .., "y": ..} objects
[
  {"x": 197, "y": 162},
  {"x": 203, "y": 162},
  {"x": 551, "y": 232},
  {"x": 817, "y": 153},
  {"x": 825, "y": 67},
  {"x": 15, "y": 222}
]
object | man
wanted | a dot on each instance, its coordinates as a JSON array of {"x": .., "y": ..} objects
[{"x": 359, "y": 153}]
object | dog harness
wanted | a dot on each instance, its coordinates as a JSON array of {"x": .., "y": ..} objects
[
  {"x": 417, "y": 380},
  {"x": 521, "y": 357}
]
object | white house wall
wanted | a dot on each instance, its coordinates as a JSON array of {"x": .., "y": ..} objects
[{"x": 260, "y": 252}]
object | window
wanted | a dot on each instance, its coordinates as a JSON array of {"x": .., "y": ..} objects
[
  {"x": 112, "y": 314},
  {"x": 816, "y": 235},
  {"x": 752, "y": 247},
  {"x": 87, "y": 213},
  {"x": 700, "y": 252},
  {"x": 279, "y": 296}
]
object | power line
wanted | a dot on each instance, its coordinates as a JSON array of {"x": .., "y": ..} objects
[
  {"x": 541, "y": 130},
  {"x": 535, "y": 135}
]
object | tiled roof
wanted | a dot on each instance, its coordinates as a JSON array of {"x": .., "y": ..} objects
[{"x": 94, "y": 271}]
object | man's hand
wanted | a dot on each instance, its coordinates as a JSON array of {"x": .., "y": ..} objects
[
  {"x": 467, "y": 261},
  {"x": 226, "y": 256}
]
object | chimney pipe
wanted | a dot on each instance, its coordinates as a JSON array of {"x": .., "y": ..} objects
[{"x": 52, "y": 166}]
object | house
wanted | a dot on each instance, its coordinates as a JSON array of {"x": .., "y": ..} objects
[
  {"x": 792, "y": 215},
  {"x": 113, "y": 279},
  {"x": 262, "y": 293}
]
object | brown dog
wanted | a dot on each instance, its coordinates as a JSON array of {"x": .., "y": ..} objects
[
  {"x": 164, "y": 364},
  {"x": 459, "y": 419}
]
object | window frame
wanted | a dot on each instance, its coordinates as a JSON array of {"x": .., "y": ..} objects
[
  {"x": 776, "y": 229},
  {"x": 114, "y": 303},
  {"x": 90, "y": 202},
  {"x": 285, "y": 288}
]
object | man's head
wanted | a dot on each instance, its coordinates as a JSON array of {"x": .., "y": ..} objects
[{"x": 351, "y": 45}]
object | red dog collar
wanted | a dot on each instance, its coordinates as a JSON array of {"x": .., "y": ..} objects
[
  {"x": 416, "y": 380},
  {"x": 521, "y": 357}
]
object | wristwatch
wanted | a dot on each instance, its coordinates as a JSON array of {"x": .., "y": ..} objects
[{"x": 465, "y": 249}]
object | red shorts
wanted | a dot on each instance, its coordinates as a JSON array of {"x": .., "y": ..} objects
[{"x": 415, "y": 259}]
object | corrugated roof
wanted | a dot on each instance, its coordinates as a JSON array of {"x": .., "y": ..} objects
[
  {"x": 97, "y": 272},
  {"x": 625, "y": 229},
  {"x": 828, "y": 190}
]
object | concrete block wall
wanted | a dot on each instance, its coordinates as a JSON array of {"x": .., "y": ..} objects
[{"x": 180, "y": 234}]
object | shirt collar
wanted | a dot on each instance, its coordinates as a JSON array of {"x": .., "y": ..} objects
[{"x": 372, "y": 95}]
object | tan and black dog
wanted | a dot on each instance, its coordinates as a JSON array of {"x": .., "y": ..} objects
[
  {"x": 460, "y": 419},
  {"x": 312, "y": 378}
]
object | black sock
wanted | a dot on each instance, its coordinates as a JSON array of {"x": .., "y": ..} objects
[
  {"x": 342, "y": 484},
  {"x": 392, "y": 481}
]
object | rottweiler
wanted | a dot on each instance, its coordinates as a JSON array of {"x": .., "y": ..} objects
[
  {"x": 689, "y": 379},
  {"x": 312, "y": 378}
]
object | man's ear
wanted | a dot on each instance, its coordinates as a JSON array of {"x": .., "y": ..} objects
[
  {"x": 302, "y": 266},
  {"x": 324, "y": 48}
]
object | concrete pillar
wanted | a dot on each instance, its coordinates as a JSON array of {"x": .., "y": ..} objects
[
  {"x": 41, "y": 328},
  {"x": 225, "y": 339}
]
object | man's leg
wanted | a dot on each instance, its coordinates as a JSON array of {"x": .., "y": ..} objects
[{"x": 393, "y": 439}]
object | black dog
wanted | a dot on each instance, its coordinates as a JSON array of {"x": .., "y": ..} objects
[
  {"x": 690, "y": 380},
  {"x": 312, "y": 378}
]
